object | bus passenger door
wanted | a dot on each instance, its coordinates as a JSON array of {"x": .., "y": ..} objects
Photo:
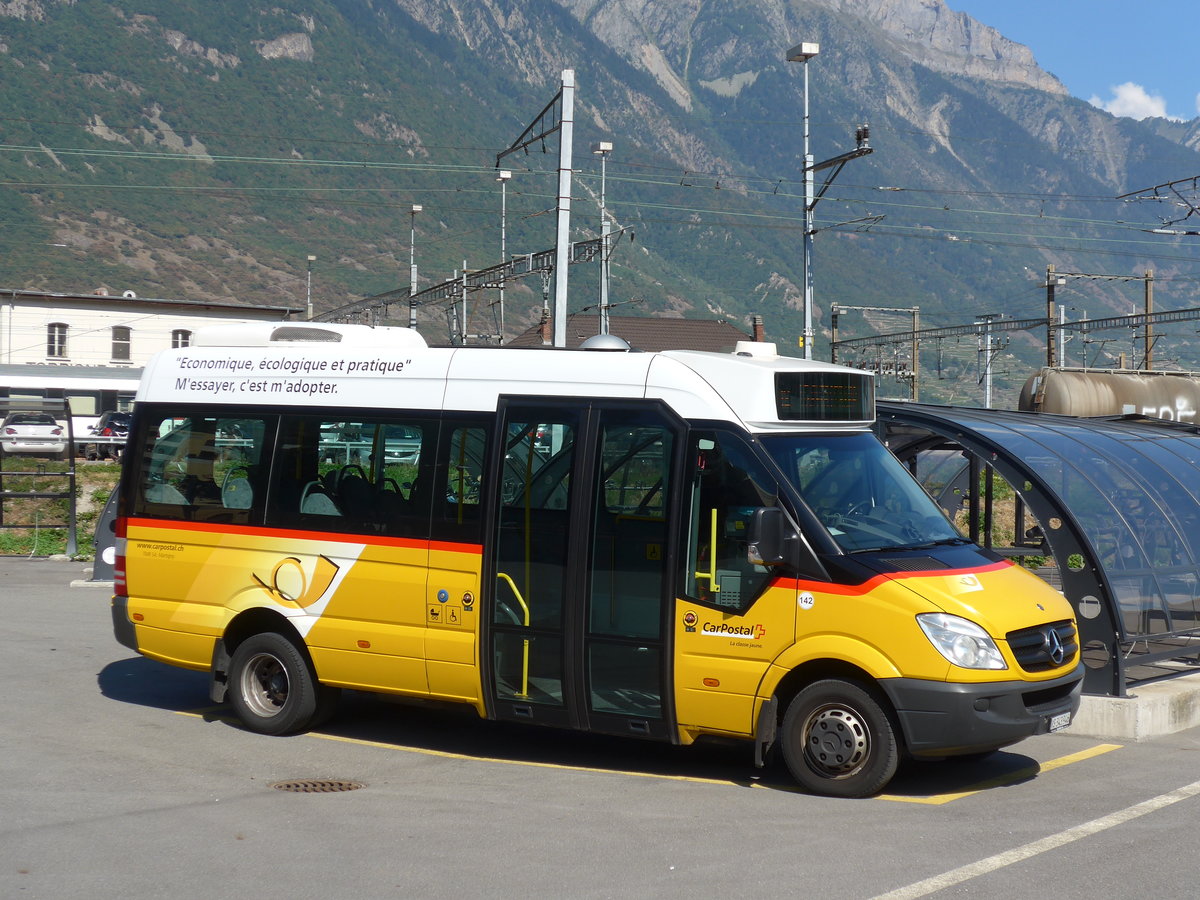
[
  {"x": 580, "y": 550},
  {"x": 533, "y": 565},
  {"x": 626, "y": 665}
]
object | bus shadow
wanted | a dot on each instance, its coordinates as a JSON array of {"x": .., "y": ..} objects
[
  {"x": 942, "y": 779},
  {"x": 145, "y": 682},
  {"x": 454, "y": 730}
]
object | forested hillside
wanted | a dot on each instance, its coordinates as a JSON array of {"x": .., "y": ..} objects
[{"x": 204, "y": 150}]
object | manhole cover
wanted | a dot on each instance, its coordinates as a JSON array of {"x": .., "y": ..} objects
[{"x": 316, "y": 786}]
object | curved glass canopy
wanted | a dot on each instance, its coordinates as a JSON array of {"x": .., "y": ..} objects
[{"x": 1117, "y": 504}]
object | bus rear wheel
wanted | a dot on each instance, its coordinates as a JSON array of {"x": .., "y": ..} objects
[
  {"x": 273, "y": 689},
  {"x": 838, "y": 740}
]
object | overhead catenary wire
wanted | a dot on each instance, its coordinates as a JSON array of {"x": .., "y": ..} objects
[
  {"x": 671, "y": 174},
  {"x": 699, "y": 215}
]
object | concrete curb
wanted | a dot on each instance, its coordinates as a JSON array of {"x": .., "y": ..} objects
[{"x": 1151, "y": 710}]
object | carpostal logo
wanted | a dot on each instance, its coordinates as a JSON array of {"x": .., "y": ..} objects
[{"x": 753, "y": 632}]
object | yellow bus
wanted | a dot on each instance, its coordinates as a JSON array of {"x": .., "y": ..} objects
[{"x": 658, "y": 545}]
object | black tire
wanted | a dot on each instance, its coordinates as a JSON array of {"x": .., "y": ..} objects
[
  {"x": 273, "y": 689},
  {"x": 838, "y": 740}
]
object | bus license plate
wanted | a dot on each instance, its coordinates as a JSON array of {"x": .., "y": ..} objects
[{"x": 1059, "y": 722}]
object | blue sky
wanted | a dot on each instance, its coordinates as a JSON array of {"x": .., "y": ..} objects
[{"x": 1132, "y": 57}]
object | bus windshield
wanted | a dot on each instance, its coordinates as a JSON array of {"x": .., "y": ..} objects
[{"x": 860, "y": 492}]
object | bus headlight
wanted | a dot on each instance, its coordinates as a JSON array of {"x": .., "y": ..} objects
[{"x": 961, "y": 641}]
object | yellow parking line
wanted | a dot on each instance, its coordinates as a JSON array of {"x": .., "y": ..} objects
[
  {"x": 446, "y": 754},
  {"x": 202, "y": 712},
  {"x": 1007, "y": 778},
  {"x": 932, "y": 799}
]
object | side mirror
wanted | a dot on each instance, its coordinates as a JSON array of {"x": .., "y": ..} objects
[
  {"x": 765, "y": 542},
  {"x": 772, "y": 541}
]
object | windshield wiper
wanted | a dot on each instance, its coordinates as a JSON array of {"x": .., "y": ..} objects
[
  {"x": 925, "y": 545},
  {"x": 943, "y": 542}
]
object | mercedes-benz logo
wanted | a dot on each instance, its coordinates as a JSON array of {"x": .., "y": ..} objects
[{"x": 1054, "y": 646}]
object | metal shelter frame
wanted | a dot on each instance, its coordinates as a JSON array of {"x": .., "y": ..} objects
[
  {"x": 33, "y": 468},
  {"x": 1106, "y": 509}
]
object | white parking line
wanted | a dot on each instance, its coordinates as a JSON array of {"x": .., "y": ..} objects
[{"x": 1000, "y": 860}]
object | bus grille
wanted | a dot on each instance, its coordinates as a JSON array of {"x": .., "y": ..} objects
[{"x": 1034, "y": 647}]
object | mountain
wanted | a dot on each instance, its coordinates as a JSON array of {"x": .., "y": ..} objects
[{"x": 204, "y": 150}]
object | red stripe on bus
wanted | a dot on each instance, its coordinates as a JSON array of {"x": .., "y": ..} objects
[{"x": 865, "y": 587}]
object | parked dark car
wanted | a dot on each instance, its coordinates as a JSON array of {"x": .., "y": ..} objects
[{"x": 115, "y": 427}]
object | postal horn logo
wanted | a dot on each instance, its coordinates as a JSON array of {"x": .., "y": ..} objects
[{"x": 289, "y": 582}]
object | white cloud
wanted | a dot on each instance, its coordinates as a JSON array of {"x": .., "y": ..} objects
[
  {"x": 1198, "y": 104},
  {"x": 1132, "y": 101}
]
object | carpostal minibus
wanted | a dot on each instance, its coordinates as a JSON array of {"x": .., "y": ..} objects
[{"x": 660, "y": 545}]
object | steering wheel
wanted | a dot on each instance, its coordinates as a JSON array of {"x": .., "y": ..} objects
[{"x": 858, "y": 510}]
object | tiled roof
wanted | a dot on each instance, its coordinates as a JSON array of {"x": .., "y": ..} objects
[
  {"x": 126, "y": 298},
  {"x": 645, "y": 333}
]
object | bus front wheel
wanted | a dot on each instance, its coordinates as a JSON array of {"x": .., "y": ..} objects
[
  {"x": 838, "y": 740},
  {"x": 273, "y": 688}
]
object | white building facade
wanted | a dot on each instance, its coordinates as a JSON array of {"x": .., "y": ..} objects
[{"x": 89, "y": 349}]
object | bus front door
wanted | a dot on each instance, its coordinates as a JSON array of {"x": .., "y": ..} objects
[{"x": 579, "y": 564}]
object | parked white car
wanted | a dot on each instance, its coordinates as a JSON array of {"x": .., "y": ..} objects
[{"x": 32, "y": 432}]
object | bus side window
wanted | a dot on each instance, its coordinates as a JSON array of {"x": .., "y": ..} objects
[
  {"x": 239, "y": 470},
  {"x": 400, "y": 451},
  {"x": 204, "y": 469},
  {"x": 357, "y": 476},
  {"x": 160, "y": 470},
  {"x": 726, "y": 484},
  {"x": 298, "y": 493},
  {"x": 458, "y": 482}
]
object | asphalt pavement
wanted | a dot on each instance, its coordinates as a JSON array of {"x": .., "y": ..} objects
[{"x": 121, "y": 780}]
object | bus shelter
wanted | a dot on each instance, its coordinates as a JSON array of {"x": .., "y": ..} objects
[{"x": 1106, "y": 509}]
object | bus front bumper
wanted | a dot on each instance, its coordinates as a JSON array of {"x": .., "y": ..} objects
[{"x": 950, "y": 719}]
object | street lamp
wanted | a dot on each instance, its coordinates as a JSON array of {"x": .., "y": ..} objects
[
  {"x": 802, "y": 53},
  {"x": 412, "y": 266},
  {"x": 602, "y": 149},
  {"x": 311, "y": 259},
  {"x": 503, "y": 176}
]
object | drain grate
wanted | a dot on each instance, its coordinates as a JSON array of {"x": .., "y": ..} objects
[{"x": 317, "y": 786}]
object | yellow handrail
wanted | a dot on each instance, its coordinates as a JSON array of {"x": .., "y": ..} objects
[
  {"x": 711, "y": 575},
  {"x": 525, "y": 648},
  {"x": 462, "y": 472}
]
